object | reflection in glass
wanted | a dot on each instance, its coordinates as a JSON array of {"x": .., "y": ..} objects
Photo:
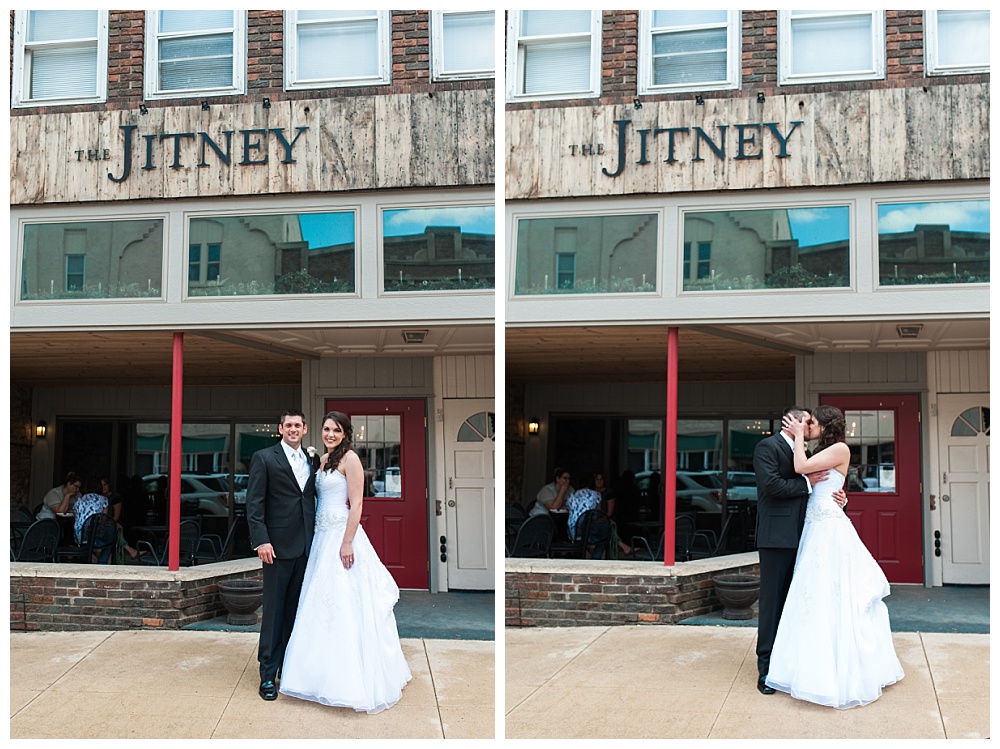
[
  {"x": 92, "y": 260},
  {"x": 971, "y": 422},
  {"x": 432, "y": 249},
  {"x": 934, "y": 243},
  {"x": 586, "y": 254},
  {"x": 871, "y": 437},
  {"x": 376, "y": 441},
  {"x": 294, "y": 253},
  {"x": 477, "y": 428},
  {"x": 784, "y": 248}
]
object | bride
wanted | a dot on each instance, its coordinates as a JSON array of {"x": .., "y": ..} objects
[
  {"x": 833, "y": 645},
  {"x": 344, "y": 649}
]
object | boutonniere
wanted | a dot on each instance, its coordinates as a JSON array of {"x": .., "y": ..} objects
[{"x": 311, "y": 452}]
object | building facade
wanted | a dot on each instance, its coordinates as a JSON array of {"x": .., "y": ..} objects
[
  {"x": 814, "y": 227},
  {"x": 292, "y": 209}
]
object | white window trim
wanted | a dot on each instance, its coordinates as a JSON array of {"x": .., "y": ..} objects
[
  {"x": 931, "y": 42},
  {"x": 438, "y": 73},
  {"x": 151, "y": 89},
  {"x": 515, "y": 64},
  {"x": 248, "y": 211},
  {"x": 785, "y": 77},
  {"x": 384, "y": 76},
  {"x": 599, "y": 210},
  {"x": 733, "y": 54},
  {"x": 381, "y": 208},
  {"x": 19, "y": 84}
]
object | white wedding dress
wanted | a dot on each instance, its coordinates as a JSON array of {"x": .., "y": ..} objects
[
  {"x": 344, "y": 649},
  {"x": 833, "y": 645}
]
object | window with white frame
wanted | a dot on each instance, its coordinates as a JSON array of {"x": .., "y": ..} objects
[
  {"x": 462, "y": 44},
  {"x": 957, "y": 41},
  {"x": 689, "y": 49},
  {"x": 60, "y": 57},
  {"x": 328, "y": 48},
  {"x": 194, "y": 52},
  {"x": 553, "y": 54},
  {"x": 830, "y": 45}
]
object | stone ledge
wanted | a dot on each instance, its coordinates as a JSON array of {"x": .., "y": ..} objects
[
  {"x": 628, "y": 568},
  {"x": 132, "y": 572}
]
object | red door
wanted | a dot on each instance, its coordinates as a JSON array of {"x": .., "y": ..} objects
[
  {"x": 390, "y": 438},
  {"x": 883, "y": 482}
]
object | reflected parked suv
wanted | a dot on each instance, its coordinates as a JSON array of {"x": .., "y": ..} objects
[{"x": 201, "y": 493}]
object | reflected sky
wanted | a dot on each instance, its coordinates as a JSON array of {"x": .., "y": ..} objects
[
  {"x": 325, "y": 229},
  {"x": 967, "y": 215},
  {"x": 820, "y": 225},
  {"x": 472, "y": 220}
]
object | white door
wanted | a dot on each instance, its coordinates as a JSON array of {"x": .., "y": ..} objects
[
  {"x": 469, "y": 495},
  {"x": 964, "y": 439}
]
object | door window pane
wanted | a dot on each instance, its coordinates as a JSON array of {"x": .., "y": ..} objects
[
  {"x": 871, "y": 437},
  {"x": 767, "y": 248},
  {"x": 446, "y": 248},
  {"x": 610, "y": 254},
  {"x": 377, "y": 443},
  {"x": 295, "y": 253},
  {"x": 934, "y": 242},
  {"x": 92, "y": 259}
]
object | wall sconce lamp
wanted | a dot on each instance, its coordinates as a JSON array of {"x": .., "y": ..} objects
[
  {"x": 533, "y": 425},
  {"x": 760, "y": 97},
  {"x": 41, "y": 429},
  {"x": 637, "y": 103},
  {"x": 204, "y": 105},
  {"x": 142, "y": 109},
  {"x": 266, "y": 103},
  {"x": 698, "y": 99}
]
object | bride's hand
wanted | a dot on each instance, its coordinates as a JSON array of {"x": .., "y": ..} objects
[
  {"x": 795, "y": 426},
  {"x": 347, "y": 554}
]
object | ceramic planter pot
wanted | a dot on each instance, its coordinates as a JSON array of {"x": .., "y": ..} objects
[
  {"x": 241, "y": 598},
  {"x": 737, "y": 593}
]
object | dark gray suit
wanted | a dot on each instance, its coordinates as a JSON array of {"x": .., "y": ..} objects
[
  {"x": 281, "y": 514},
  {"x": 782, "y": 496}
]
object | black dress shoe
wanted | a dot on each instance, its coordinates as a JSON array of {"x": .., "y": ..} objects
[
  {"x": 268, "y": 691},
  {"x": 762, "y": 686}
]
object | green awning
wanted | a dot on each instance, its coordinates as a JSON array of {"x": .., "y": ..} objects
[
  {"x": 697, "y": 443},
  {"x": 251, "y": 443},
  {"x": 742, "y": 444}
]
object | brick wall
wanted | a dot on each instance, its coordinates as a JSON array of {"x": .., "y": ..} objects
[
  {"x": 87, "y": 597},
  {"x": 549, "y": 593},
  {"x": 759, "y": 37},
  {"x": 411, "y": 66}
]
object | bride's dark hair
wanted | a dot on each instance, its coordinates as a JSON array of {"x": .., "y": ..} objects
[
  {"x": 343, "y": 420},
  {"x": 833, "y": 423}
]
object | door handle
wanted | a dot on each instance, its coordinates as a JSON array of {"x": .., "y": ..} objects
[
  {"x": 945, "y": 498},
  {"x": 451, "y": 502}
]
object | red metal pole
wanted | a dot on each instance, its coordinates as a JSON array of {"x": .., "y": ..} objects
[
  {"x": 176, "y": 457},
  {"x": 670, "y": 466}
]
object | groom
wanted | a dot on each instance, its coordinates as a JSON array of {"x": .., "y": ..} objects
[
  {"x": 281, "y": 507},
  {"x": 782, "y": 495}
]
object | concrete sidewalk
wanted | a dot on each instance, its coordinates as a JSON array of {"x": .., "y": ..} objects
[
  {"x": 194, "y": 684},
  {"x": 699, "y": 682}
]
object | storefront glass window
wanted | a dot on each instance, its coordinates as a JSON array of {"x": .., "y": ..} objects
[
  {"x": 92, "y": 260},
  {"x": 586, "y": 254},
  {"x": 443, "y": 248},
  {"x": 934, "y": 243},
  {"x": 279, "y": 253},
  {"x": 773, "y": 248}
]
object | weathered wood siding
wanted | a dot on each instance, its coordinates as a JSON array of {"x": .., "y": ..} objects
[
  {"x": 846, "y": 137},
  {"x": 356, "y": 143}
]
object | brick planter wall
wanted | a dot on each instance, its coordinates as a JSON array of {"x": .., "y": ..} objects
[
  {"x": 573, "y": 593},
  {"x": 83, "y": 596}
]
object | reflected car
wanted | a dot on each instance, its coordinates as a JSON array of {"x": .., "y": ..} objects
[
  {"x": 201, "y": 493},
  {"x": 741, "y": 485},
  {"x": 699, "y": 490}
]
